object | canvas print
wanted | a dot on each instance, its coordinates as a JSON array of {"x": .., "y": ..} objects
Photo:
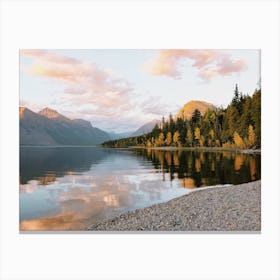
[{"x": 140, "y": 140}]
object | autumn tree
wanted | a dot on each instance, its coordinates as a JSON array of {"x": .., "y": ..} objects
[
  {"x": 238, "y": 141},
  {"x": 168, "y": 139},
  {"x": 211, "y": 137},
  {"x": 197, "y": 135},
  {"x": 251, "y": 136},
  {"x": 160, "y": 140},
  {"x": 176, "y": 139},
  {"x": 148, "y": 144},
  {"x": 238, "y": 125},
  {"x": 189, "y": 138}
]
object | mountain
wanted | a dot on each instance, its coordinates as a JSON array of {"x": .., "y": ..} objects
[
  {"x": 115, "y": 136},
  {"x": 187, "y": 110},
  {"x": 48, "y": 127},
  {"x": 146, "y": 128},
  {"x": 52, "y": 114}
]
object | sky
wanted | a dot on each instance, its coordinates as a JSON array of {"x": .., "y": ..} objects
[{"x": 120, "y": 90}]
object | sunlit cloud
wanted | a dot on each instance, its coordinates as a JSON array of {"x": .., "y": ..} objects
[
  {"x": 47, "y": 56},
  {"x": 85, "y": 89},
  {"x": 209, "y": 63},
  {"x": 85, "y": 82},
  {"x": 95, "y": 93}
]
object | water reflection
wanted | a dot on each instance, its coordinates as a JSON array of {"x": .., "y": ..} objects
[
  {"x": 70, "y": 188},
  {"x": 47, "y": 163},
  {"x": 206, "y": 168}
]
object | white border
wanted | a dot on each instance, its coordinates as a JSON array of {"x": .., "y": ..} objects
[{"x": 156, "y": 24}]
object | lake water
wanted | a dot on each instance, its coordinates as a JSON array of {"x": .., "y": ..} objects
[{"x": 70, "y": 188}]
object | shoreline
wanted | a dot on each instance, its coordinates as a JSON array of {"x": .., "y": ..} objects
[
  {"x": 227, "y": 208},
  {"x": 206, "y": 149},
  {"x": 164, "y": 148}
]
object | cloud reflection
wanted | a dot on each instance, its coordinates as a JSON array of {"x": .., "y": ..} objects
[{"x": 122, "y": 181}]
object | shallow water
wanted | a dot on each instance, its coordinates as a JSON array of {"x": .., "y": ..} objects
[{"x": 69, "y": 188}]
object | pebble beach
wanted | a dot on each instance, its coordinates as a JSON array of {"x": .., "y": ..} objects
[{"x": 230, "y": 208}]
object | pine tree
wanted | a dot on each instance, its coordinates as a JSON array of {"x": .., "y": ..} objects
[
  {"x": 196, "y": 117},
  {"x": 235, "y": 99},
  {"x": 239, "y": 126}
]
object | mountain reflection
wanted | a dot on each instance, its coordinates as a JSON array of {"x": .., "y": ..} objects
[
  {"x": 36, "y": 162},
  {"x": 70, "y": 188}
]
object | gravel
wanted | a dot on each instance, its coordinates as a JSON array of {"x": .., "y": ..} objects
[{"x": 231, "y": 208}]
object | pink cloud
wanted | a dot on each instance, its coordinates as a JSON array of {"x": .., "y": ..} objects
[
  {"x": 47, "y": 56},
  {"x": 209, "y": 63},
  {"x": 84, "y": 82}
]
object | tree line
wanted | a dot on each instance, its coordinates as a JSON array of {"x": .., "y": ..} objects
[{"x": 236, "y": 126}]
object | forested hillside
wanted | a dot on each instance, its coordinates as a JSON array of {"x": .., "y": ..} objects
[{"x": 237, "y": 126}]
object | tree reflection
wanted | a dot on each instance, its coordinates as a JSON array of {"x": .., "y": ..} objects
[{"x": 205, "y": 168}]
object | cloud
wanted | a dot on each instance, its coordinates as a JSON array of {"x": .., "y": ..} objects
[
  {"x": 91, "y": 92},
  {"x": 209, "y": 63},
  {"x": 85, "y": 82},
  {"x": 47, "y": 56},
  {"x": 155, "y": 106}
]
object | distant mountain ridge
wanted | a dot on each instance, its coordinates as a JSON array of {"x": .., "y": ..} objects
[
  {"x": 48, "y": 127},
  {"x": 187, "y": 110},
  {"x": 146, "y": 128},
  {"x": 114, "y": 135}
]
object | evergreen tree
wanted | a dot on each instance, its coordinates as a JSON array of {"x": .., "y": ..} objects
[
  {"x": 196, "y": 117},
  {"x": 238, "y": 125}
]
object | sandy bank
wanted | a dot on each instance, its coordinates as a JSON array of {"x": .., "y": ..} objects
[{"x": 232, "y": 208}]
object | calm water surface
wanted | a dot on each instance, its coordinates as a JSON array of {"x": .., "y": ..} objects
[{"x": 69, "y": 188}]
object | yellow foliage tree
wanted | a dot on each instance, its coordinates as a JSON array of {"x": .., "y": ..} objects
[
  {"x": 153, "y": 141},
  {"x": 197, "y": 135},
  {"x": 168, "y": 140},
  {"x": 201, "y": 141},
  {"x": 148, "y": 144},
  {"x": 239, "y": 143},
  {"x": 176, "y": 138},
  {"x": 189, "y": 137},
  {"x": 211, "y": 137},
  {"x": 218, "y": 143},
  {"x": 160, "y": 140},
  {"x": 251, "y": 136}
]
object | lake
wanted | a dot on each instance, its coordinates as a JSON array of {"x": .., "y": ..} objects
[{"x": 70, "y": 188}]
